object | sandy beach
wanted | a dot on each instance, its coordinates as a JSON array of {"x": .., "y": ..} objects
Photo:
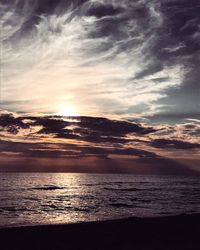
[{"x": 174, "y": 232}]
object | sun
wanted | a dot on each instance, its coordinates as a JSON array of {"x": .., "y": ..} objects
[{"x": 67, "y": 110}]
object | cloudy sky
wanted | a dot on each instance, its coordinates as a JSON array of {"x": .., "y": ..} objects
[{"x": 126, "y": 71}]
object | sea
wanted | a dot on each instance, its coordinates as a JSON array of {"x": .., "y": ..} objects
[{"x": 57, "y": 198}]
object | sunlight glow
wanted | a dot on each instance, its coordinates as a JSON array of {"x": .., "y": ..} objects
[{"x": 67, "y": 110}]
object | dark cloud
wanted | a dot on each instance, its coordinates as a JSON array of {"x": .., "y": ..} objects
[
  {"x": 12, "y": 124},
  {"x": 99, "y": 10},
  {"x": 97, "y": 130},
  {"x": 163, "y": 143},
  {"x": 185, "y": 100},
  {"x": 161, "y": 79},
  {"x": 93, "y": 129},
  {"x": 175, "y": 43},
  {"x": 74, "y": 157},
  {"x": 168, "y": 117},
  {"x": 85, "y": 138},
  {"x": 50, "y": 125},
  {"x": 151, "y": 69},
  {"x": 178, "y": 17},
  {"x": 112, "y": 127},
  {"x": 69, "y": 150},
  {"x": 88, "y": 129},
  {"x": 182, "y": 25},
  {"x": 34, "y": 11}
]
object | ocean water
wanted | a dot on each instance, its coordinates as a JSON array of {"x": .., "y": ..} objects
[{"x": 51, "y": 198}]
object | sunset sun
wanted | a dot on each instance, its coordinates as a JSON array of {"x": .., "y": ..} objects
[{"x": 67, "y": 110}]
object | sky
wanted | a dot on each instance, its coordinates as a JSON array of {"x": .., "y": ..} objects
[{"x": 100, "y": 86}]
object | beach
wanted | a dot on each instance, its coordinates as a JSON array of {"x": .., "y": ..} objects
[{"x": 162, "y": 233}]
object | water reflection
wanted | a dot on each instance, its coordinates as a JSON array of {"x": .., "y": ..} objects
[{"x": 62, "y": 198}]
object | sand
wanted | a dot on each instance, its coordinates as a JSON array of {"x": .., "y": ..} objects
[{"x": 166, "y": 233}]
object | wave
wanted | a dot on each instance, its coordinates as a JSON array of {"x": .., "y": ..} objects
[
  {"x": 118, "y": 205},
  {"x": 47, "y": 188},
  {"x": 124, "y": 189},
  {"x": 57, "y": 208},
  {"x": 13, "y": 209}
]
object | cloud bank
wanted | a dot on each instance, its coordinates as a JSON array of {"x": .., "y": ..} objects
[{"x": 78, "y": 141}]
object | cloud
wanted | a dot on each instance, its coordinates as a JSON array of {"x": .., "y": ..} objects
[
  {"x": 163, "y": 143},
  {"x": 94, "y": 54},
  {"x": 100, "y": 10},
  {"x": 125, "y": 60},
  {"x": 86, "y": 127},
  {"x": 102, "y": 130},
  {"x": 26, "y": 137},
  {"x": 11, "y": 123}
]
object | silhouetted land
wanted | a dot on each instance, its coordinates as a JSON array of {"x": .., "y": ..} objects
[{"x": 166, "y": 233}]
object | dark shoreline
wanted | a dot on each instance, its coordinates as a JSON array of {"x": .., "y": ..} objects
[{"x": 161, "y": 233}]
